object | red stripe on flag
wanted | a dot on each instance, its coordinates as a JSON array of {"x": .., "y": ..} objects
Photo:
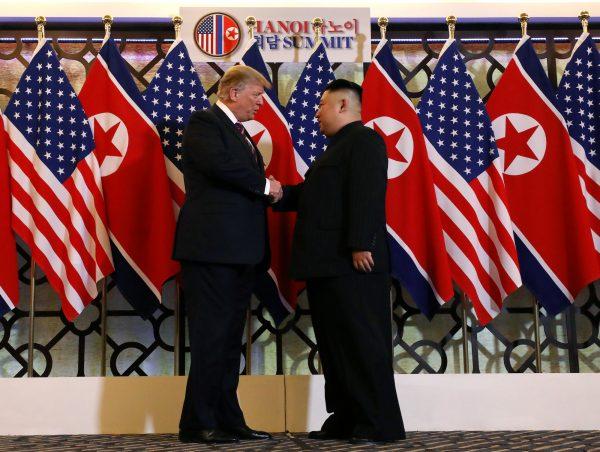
[
  {"x": 42, "y": 261},
  {"x": 103, "y": 259},
  {"x": 57, "y": 207},
  {"x": 468, "y": 248},
  {"x": 503, "y": 241},
  {"x": 482, "y": 236},
  {"x": 43, "y": 227},
  {"x": 177, "y": 194}
]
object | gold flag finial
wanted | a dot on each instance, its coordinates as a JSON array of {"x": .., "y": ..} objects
[
  {"x": 40, "y": 21},
  {"x": 251, "y": 24},
  {"x": 177, "y": 22},
  {"x": 317, "y": 24},
  {"x": 383, "y": 23},
  {"x": 584, "y": 17},
  {"x": 523, "y": 18},
  {"x": 451, "y": 22},
  {"x": 107, "y": 20}
]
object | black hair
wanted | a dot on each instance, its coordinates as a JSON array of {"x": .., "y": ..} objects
[{"x": 340, "y": 84}]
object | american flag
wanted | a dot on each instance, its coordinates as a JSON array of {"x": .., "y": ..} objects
[
  {"x": 469, "y": 186},
  {"x": 300, "y": 110},
  {"x": 57, "y": 201},
  {"x": 206, "y": 36},
  {"x": 173, "y": 95},
  {"x": 579, "y": 101}
]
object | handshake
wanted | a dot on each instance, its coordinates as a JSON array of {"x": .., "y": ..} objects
[{"x": 275, "y": 190}]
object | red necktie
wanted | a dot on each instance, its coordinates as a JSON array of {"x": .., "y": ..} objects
[{"x": 240, "y": 128}]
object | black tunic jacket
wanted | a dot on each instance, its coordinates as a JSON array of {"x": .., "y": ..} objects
[{"x": 341, "y": 206}]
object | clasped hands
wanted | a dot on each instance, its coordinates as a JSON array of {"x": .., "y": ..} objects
[{"x": 275, "y": 190}]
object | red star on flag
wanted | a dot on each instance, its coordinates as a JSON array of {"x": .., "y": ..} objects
[
  {"x": 104, "y": 145},
  {"x": 256, "y": 138},
  {"x": 515, "y": 143},
  {"x": 391, "y": 141}
]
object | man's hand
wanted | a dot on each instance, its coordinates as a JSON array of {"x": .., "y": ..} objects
[
  {"x": 275, "y": 190},
  {"x": 363, "y": 261}
]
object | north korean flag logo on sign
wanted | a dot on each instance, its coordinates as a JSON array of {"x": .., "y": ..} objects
[{"x": 217, "y": 34}]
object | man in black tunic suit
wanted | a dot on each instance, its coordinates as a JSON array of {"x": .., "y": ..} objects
[
  {"x": 340, "y": 249},
  {"x": 222, "y": 243}
]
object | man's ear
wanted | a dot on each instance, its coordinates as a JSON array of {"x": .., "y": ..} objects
[{"x": 343, "y": 105}]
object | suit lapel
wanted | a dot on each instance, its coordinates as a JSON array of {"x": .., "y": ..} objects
[
  {"x": 242, "y": 139},
  {"x": 228, "y": 124}
]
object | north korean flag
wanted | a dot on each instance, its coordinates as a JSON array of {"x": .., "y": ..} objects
[
  {"x": 551, "y": 224},
  {"x": 414, "y": 226},
  {"x": 136, "y": 187}
]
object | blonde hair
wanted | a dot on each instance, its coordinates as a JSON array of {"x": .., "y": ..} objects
[{"x": 237, "y": 77}]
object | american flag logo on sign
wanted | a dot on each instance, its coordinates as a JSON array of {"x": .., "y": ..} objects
[{"x": 217, "y": 34}]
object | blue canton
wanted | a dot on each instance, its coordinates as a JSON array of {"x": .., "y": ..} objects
[
  {"x": 206, "y": 27},
  {"x": 48, "y": 114},
  {"x": 578, "y": 98},
  {"x": 300, "y": 111},
  {"x": 454, "y": 118},
  {"x": 173, "y": 95}
]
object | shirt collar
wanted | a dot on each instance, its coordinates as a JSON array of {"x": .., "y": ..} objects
[{"x": 227, "y": 111}]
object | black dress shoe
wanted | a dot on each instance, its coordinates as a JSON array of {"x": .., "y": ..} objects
[
  {"x": 206, "y": 436},
  {"x": 323, "y": 435},
  {"x": 246, "y": 432}
]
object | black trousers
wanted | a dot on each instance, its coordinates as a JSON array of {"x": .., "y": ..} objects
[
  {"x": 352, "y": 322},
  {"x": 216, "y": 299}
]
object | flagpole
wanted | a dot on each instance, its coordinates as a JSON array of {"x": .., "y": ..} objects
[
  {"x": 41, "y": 35},
  {"x": 177, "y": 316},
  {"x": 103, "y": 324},
  {"x": 465, "y": 339},
  {"x": 107, "y": 20},
  {"x": 383, "y": 23},
  {"x": 523, "y": 18},
  {"x": 177, "y": 22},
  {"x": 31, "y": 318},
  {"x": 250, "y": 23},
  {"x": 536, "y": 333},
  {"x": 584, "y": 17},
  {"x": 317, "y": 24},
  {"x": 451, "y": 22}
]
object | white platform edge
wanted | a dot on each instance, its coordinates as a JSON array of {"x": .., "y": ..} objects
[{"x": 119, "y": 405}]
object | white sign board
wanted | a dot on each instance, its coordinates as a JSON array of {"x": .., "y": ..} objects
[{"x": 283, "y": 34}]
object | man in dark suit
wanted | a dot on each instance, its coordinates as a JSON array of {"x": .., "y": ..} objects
[
  {"x": 340, "y": 249},
  {"x": 222, "y": 243}
]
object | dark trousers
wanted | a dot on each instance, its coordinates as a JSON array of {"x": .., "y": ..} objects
[
  {"x": 216, "y": 299},
  {"x": 352, "y": 323}
]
